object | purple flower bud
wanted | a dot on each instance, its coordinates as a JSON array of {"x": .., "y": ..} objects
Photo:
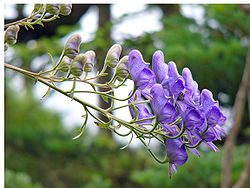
[
  {"x": 112, "y": 57},
  {"x": 122, "y": 70},
  {"x": 6, "y": 46},
  {"x": 52, "y": 9},
  {"x": 71, "y": 48},
  {"x": 90, "y": 61},
  {"x": 76, "y": 67},
  {"x": 37, "y": 7},
  {"x": 65, "y": 64},
  {"x": 65, "y": 9},
  {"x": 11, "y": 34}
]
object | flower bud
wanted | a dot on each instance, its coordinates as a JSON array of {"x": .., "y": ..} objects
[
  {"x": 11, "y": 34},
  {"x": 76, "y": 67},
  {"x": 65, "y": 9},
  {"x": 122, "y": 70},
  {"x": 37, "y": 7},
  {"x": 112, "y": 57},
  {"x": 6, "y": 46},
  {"x": 90, "y": 61},
  {"x": 64, "y": 66},
  {"x": 72, "y": 46},
  {"x": 52, "y": 9}
]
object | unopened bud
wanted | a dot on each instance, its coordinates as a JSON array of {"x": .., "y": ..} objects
[
  {"x": 122, "y": 70},
  {"x": 76, "y": 67},
  {"x": 64, "y": 66},
  {"x": 71, "y": 48},
  {"x": 6, "y": 46},
  {"x": 65, "y": 9},
  {"x": 112, "y": 57},
  {"x": 52, "y": 9},
  {"x": 37, "y": 7},
  {"x": 90, "y": 61},
  {"x": 11, "y": 34}
]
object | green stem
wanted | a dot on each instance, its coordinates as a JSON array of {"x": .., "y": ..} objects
[
  {"x": 22, "y": 20},
  {"x": 152, "y": 154},
  {"x": 146, "y": 101}
]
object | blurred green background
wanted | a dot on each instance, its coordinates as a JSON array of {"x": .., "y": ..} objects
[{"x": 39, "y": 151}]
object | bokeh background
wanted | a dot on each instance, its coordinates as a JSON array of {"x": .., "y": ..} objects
[{"x": 39, "y": 150}]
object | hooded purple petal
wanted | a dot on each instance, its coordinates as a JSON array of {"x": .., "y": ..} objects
[
  {"x": 214, "y": 116},
  {"x": 160, "y": 68},
  {"x": 136, "y": 63},
  {"x": 172, "y": 72},
  {"x": 139, "y": 71},
  {"x": 164, "y": 111},
  {"x": 145, "y": 79},
  {"x": 176, "y": 151},
  {"x": 207, "y": 100},
  {"x": 189, "y": 82},
  {"x": 193, "y": 119}
]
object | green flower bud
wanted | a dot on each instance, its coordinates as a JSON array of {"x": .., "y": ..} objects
[
  {"x": 122, "y": 70},
  {"x": 76, "y": 66},
  {"x": 65, "y": 64},
  {"x": 72, "y": 46},
  {"x": 52, "y": 9},
  {"x": 90, "y": 61},
  {"x": 6, "y": 46},
  {"x": 37, "y": 7},
  {"x": 65, "y": 9},
  {"x": 112, "y": 57},
  {"x": 11, "y": 34}
]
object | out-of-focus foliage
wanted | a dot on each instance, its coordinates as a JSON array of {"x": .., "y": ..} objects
[
  {"x": 18, "y": 179},
  {"x": 202, "y": 172}
]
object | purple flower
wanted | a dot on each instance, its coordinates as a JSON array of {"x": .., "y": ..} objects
[
  {"x": 176, "y": 96},
  {"x": 165, "y": 111},
  {"x": 142, "y": 110},
  {"x": 176, "y": 152},
  {"x": 192, "y": 118},
  {"x": 139, "y": 71}
]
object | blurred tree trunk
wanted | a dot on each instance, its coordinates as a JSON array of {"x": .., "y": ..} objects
[
  {"x": 244, "y": 177},
  {"x": 169, "y": 9},
  {"x": 237, "y": 117},
  {"x": 104, "y": 26}
]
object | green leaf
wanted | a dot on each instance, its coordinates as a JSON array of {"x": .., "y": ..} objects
[
  {"x": 105, "y": 98},
  {"x": 40, "y": 23},
  {"x": 92, "y": 85},
  {"x": 46, "y": 94},
  {"x": 28, "y": 24},
  {"x": 51, "y": 58},
  {"x": 103, "y": 125}
]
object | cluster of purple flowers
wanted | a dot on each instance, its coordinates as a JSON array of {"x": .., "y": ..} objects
[{"x": 187, "y": 116}]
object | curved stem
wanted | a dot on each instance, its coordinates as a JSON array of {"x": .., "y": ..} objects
[
  {"x": 152, "y": 154},
  {"x": 140, "y": 102},
  {"x": 22, "y": 20},
  {"x": 194, "y": 146}
]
